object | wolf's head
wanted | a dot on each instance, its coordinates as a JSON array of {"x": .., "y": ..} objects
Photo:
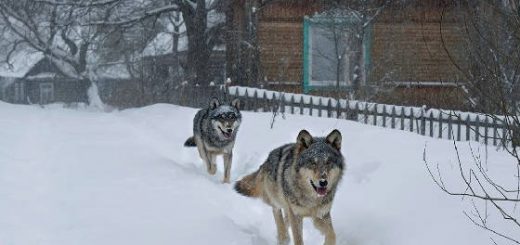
[
  {"x": 320, "y": 163},
  {"x": 225, "y": 118}
]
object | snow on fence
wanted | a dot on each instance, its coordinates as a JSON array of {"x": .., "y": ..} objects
[{"x": 445, "y": 124}]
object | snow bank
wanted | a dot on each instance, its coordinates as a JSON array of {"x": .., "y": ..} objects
[{"x": 77, "y": 177}]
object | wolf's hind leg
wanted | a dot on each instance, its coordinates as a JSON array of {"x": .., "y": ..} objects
[
  {"x": 228, "y": 159},
  {"x": 281, "y": 227},
  {"x": 324, "y": 225}
]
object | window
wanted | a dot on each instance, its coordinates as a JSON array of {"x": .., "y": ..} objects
[
  {"x": 46, "y": 93},
  {"x": 334, "y": 52}
]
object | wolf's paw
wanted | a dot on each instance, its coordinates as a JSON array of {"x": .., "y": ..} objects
[
  {"x": 226, "y": 181},
  {"x": 212, "y": 169}
]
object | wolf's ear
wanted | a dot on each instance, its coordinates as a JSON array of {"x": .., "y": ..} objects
[
  {"x": 304, "y": 139},
  {"x": 334, "y": 139},
  {"x": 236, "y": 103},
  {"x": 214, "y": 103}
]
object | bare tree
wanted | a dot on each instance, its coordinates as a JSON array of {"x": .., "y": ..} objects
[
  {"x": 492, "y": 76},
  {"x": 54, "y": 28},
  {"x": 71, "y": 33}
]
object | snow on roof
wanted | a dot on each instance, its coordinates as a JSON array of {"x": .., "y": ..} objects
[
  {"x": 112, "y": 71},
  {"x": 20, "y": 63},
  {"x": 163, "y": 44},
  {"x": 43, "y": 75}
]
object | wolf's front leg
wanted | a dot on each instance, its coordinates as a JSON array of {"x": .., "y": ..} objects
[
  {"x": 296, "y": 226},
  {"x": 324, "y": 225},
  {"x": 281, "y": 227},
  {"x": 228, "y": 158},
  {"x": 205, "y": 155},
  {"x": 212, "y": 166}
]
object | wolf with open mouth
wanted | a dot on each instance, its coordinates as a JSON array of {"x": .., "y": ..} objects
[
  {"x": 299, "y": 179},
  {"x": 214, "y": 133}
]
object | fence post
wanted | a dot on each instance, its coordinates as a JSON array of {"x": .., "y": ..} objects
[
  {"x": 450, "y": 133},
  {"x": 292, "y": 104},
  {"x": 412, "y": 119},
  {"x": 468, "y": 128},
  {"x": 384, "y": 116},
  {"x": 477, "y": 129},
  {"x": 356, "y": 112},
  {"x": 459, "y": 121},
  {"x": 246, "y": 101},
  {"x": 504, "y": 134},
  {"x": 402, "y": 117},
  {"x": 282, "y": 103},
  {"x": 265, "y": 102},
  {"x": 375, "y": 115},
  {"x": 486, "y": 130},
  {"x": 338, "y": 108},
  {"x": 329, "y": 108},
  {"x": 495, "y": 131},
  {"x": 347, "y": 109},
  {"x": 319, "y": 107},
  {"x": 423, "y": 122},
  {"x": 311, "y": 104},
  {"x": 255, "y": 101},
  {"x": 431, "y": 123},
  {"x": 301, "y": 104},
  {"x": 392, "y": 115},
  {"x": 440, "y": 124},
  {"x": 365, "y": 112}
]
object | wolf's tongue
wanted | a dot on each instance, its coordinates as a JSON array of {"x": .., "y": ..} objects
[{"x": 321, "y": 191}]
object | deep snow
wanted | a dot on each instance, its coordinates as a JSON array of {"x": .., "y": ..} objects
[{"x": 86, "y": 177}]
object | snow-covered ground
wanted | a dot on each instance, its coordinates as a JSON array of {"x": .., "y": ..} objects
[{"x": 85, "y": 177}]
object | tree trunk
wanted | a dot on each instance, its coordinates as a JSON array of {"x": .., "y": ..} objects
[
  {"x": 231, "y": 43},
  {"x": 198, "y": 51}
]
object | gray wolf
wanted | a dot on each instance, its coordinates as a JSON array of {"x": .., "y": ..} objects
[
  {"x": 299, "y": 179},
  {"x": 214, "y": 133}
]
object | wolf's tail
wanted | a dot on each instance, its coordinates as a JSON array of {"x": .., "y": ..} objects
[
  {"x": 249, "y": 185},
  {"x": 190, "y": 142}
]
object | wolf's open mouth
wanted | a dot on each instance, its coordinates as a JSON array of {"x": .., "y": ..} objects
[
  {"x": 322, "y": 191},
  {"x": 226, "y": 134}
]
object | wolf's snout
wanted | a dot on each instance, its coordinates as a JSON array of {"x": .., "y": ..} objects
[
  {"x": 323, "y": 182},
  {"x": 229, "y": 130}
]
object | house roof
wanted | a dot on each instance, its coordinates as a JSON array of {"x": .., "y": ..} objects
[{"x": 20, "y": 63}]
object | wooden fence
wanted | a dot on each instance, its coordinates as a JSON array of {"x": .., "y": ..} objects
[
  {"x": 445, "y": 124},
  {"x": 436, "y": 123}
]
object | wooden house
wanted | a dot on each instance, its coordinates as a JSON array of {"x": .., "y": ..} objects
[
  {"x": 33, "y": 79},
  {"x": 42, "y": 83},
  {"x": 401, "y": 54}
]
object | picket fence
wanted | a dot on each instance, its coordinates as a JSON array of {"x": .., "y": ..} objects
[{"x": 437, "y": 123}]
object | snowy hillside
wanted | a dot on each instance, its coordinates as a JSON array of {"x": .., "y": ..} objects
[{"x": 83, "y": 177}]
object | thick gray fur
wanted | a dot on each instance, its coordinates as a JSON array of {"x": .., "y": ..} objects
[
  {"x": 299, "y": 180},
  {"x": 214, "y": 133}
]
